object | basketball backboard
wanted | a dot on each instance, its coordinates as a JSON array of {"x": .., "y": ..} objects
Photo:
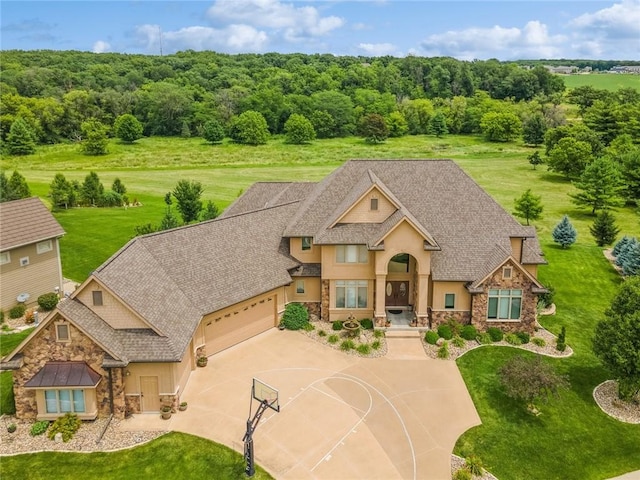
[{"x": 263, "y": 392}]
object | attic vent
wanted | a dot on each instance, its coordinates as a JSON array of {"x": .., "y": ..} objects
[
  {"x": 374, "y": 204},
  {"x": 507, "y": 272}
]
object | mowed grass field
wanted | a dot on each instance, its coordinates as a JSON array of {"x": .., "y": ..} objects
[
  {"x": 572, "y": 439},
  {"x": 603, "y": 81}
]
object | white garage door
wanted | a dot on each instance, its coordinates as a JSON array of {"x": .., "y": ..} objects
[{"x": 237, "y": 327}]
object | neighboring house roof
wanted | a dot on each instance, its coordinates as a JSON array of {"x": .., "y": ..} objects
[
  {"x": 25, "y": 222},
  {"x": 64, "y": 374}
]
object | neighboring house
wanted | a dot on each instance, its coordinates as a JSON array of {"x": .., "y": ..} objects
[
  {"x": 415, "y": 235},
  {"x": 29, "y": 252}
]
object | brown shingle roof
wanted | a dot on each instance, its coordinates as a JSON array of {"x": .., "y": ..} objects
[
  {"x": 175, "y": 277},
  {"x": 444, "y": 201},
  {"x": 26, "y": 221}
]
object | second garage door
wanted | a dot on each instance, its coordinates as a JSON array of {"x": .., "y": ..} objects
[{"x": 237, "y": 325}]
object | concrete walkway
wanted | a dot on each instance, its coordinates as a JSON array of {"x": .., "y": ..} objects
[{"x": 342, "y": 416}]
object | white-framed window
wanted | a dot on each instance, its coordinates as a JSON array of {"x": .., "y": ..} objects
[
  {"x": 351, "y": 293},
  {"x": 504, "y": 304},
  {"x": 299, "y": 286},
  {"x": 352, "y": 254},
  {"x": 24, "y": 261},
  {"x": 5, "y": 257},
  {"x": 449, "y": 300},
  {"x": 507, "y": 272},
  {"x": 97, "y": 297},
  {"x": 63, "y": 401},
  {"x": 44, "y": 247},
  {"x": 306, "y": 243},
  {"x": 374, "y": 204},
  {"x": 62, "y": 332}
]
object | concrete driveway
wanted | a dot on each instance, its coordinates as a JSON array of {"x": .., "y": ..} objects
[{"x": 341, "y": 417}]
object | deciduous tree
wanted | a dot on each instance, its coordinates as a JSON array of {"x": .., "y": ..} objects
[
  {"x": 500, "y": 127},
  {"x": 570, "y": 157},
  {"x": 249, "y": 128},
  {"x": 127, "y": 128},
  {"x": 533, "y": 129},
  {"x": 531, "y": 380},
  {"x": 617, "y": 338},
  {"x": 298, "y": 129},
  {"x": 213, "y": 131},
  {"x": 535, "y": 159},
  {"x": 528, "y": 206},
  {"x": 397, "y": 124},
  {"x": 94, "y": 138},
  {"x": 373, "y": 128},
  {"x": 187, "y": 193}
]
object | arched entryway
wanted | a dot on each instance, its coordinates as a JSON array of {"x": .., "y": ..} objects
[{"x": 400, "y": 288}]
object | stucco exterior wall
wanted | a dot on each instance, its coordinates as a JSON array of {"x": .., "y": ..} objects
[
  {"x": 44, "y": 348},
  {"x": 345, "y": 271},
  {"x": 361, "y": 211},
  {"x": 112, "y": 310},
  {"x": 311, "y": 290},
  {"x": 462, "y": 295},
  {"x": 42, "y": 275},
  {"x": 313, "y": 255}
]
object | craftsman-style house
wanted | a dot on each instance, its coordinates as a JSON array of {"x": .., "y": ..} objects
[
  {"x": 417, "y": 236},
  {"x": 29, "y": 252}
]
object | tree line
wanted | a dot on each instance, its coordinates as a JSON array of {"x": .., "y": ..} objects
[{"x": 55, "y": 92}]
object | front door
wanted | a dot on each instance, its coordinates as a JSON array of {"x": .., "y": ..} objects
[
  {"x": 397, "y": 293},
  {"x": 149, "y": 394}
]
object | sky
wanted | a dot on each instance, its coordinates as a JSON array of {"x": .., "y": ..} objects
[{"x": 466, "y": 30}]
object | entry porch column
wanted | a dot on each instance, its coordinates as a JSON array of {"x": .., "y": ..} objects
[
  {"x": 380, "y": 312},
  {"x": 422, "y": 305}
]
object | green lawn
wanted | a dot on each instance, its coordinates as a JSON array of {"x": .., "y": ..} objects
[
  {"x": 572, "y": 439},
  {"x": 175, "y": 455},
  {"x": 603, "y": 81},
  {"x": 7, "y": 344}
]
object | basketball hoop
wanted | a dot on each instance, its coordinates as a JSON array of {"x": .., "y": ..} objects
[{"x": 268, "y": 398}]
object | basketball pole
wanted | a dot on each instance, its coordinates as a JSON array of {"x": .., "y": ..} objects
[{"x": 252, "y": 423}]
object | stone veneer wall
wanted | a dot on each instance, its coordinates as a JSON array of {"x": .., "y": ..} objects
[
  {"x": 324, "y": 307},
  {"x": 528, "y": 312},
  {"x": 45, "y": 348},
  {"x": 438, "y": 317},
  {"x": 313, "y": 308}
]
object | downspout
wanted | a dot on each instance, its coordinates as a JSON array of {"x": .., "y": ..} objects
[
  {"x": 522, "y": 248},
  {"x": 111, "y": 389}
]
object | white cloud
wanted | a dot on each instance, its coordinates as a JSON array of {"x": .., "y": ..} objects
[
  {"x": 612, "y": 32},
  {"x": 378, "y": 49},
  {"x": 232, "y": 38},
  {"x": 621, "y": 20},
  {"x": 532, "y": 41},
  {"x": 101, "y": 47},
  {"x": 292, "y": 23}
]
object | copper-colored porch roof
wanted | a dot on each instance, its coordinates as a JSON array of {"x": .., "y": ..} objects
[{"x": 64, "y": 374}]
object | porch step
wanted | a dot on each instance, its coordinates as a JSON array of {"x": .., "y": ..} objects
[{"x": 396, "y": 332}]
